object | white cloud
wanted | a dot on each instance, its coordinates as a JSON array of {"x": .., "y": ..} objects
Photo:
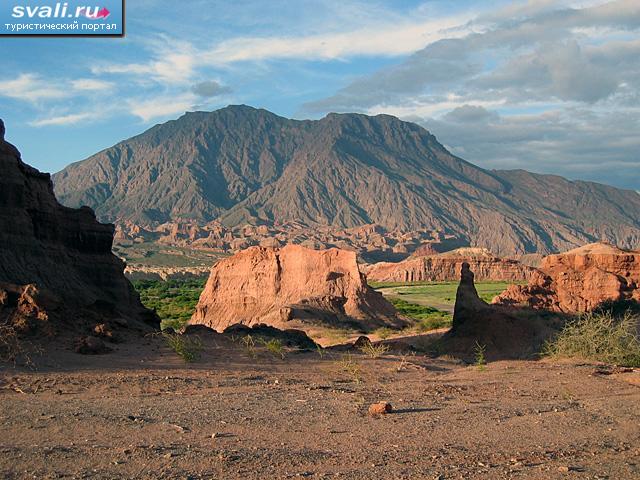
[
  {"x": 174, "y": 62},
  {"x": 380, "y": 39},
  {"x": 163, "y": 106},
  {"x": 63, "y": 120},
  {"x": 31, "y": 88},
  {"x": 91, "y": 85}
]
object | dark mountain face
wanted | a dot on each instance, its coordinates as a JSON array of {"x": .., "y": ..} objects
[{"x": 242, "y": 165}]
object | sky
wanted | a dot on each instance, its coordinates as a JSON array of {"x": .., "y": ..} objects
[{"x": 550, "y": 86}]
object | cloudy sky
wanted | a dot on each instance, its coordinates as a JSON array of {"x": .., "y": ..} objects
[{"x": 551, "y": 86}]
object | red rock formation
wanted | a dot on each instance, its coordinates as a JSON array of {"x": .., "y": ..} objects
[
  {"x": 56, "y": 263},
  {"x": 580, "y": 280},
  {"x": 446, "y": 267},
  {"x": 278, "y": 286},
  {"x": 501, "y": 331}
]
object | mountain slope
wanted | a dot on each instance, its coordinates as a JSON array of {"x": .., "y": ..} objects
[{"x": 243, "y": 165}]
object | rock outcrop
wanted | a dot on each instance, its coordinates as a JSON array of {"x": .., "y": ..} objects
[
  {"x": 579, "y": 280},
  {"x": 499, "y": 331},
  {"x": 57, "y": 272},
  {"x": 446, "y": 267},
  {"x": 292, "y": 285}
]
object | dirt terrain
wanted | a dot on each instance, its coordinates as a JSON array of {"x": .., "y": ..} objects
[{"x": 140, "y": 412}]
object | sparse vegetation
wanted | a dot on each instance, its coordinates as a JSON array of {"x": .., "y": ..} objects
[
  {"x": 249, "y": 345},
  {"x": 383, "y": 333},
  {"x": 188, "y": 348},
  {"x": 174, "y": 300},
  {"x": 347, "y": 364},
  {"x": 479, "y": 352},
  {"x": 601, "y": 336},
  {"x": 372, "y": 350},
  {"x": 275, "y": 347},
  {"x": 14, "y": 349}
]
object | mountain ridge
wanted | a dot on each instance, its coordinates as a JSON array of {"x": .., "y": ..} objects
[{"x": 244, "y": 165}]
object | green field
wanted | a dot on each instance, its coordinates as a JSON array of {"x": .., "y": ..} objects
[
  {"x": 174, "y": 300},
  {"x": 439, "y": 295}
]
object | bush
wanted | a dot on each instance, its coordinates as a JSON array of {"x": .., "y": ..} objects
[
  {"x": 374, "y": 351},
  {"x": 274, "y": 347},
  {"x": 600, "y": 336},
  {"x": 188, "y": 348}
]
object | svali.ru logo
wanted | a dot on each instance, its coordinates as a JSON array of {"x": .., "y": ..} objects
[{"x": 61, "y": 10}]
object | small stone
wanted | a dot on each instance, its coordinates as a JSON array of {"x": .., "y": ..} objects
[{"x": 380, "y": 408}]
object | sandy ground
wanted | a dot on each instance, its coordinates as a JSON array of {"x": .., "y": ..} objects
[{"x": 140, "y": 412}]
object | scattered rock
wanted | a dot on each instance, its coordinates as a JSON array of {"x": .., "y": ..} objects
[{"x": 380, "y": 408}]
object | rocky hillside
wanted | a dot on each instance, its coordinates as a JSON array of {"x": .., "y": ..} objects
[{"x": 242, "y": 165}]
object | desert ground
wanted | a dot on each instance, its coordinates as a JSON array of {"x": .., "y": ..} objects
[{"x": 141, "y": 412}]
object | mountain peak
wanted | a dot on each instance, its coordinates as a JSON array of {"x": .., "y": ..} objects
[{"x": 240, "y": 165}]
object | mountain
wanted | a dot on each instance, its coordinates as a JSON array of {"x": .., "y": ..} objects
[{"x": 244, "y": 165}]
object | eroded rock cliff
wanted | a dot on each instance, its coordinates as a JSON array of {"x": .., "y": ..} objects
[
  {"x": 279, "y": 286},
  {"x": 57, "y": 272},
  {"x": 580, "y": 280}
]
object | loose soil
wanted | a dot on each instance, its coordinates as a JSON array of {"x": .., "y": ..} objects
[{"x": 141, "y": 413}]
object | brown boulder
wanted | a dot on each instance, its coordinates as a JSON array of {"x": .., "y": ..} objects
[
  {"x": 446, "y": 267},
  {"x": 56, "y": 266},
  {"x": 292, "y": 284},
  {"x": 580, "y": 280}
]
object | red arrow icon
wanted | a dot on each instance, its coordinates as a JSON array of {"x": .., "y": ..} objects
[{"x": 104, "y": 13}]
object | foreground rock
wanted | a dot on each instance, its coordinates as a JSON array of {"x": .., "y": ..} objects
[
  {"x": 446, "y": 267},
  {"x": 500, "y": 331},
  {"x": 293, "y": 284},
  {"x": 580, "y": 280},
  {"x": 57, "y": 272}
]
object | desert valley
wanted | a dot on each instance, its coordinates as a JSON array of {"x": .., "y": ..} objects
[
  {"x": 356, "y": 240},
  {"x": 316, "y": 307}
]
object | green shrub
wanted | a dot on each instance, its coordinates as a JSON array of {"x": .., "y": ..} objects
[
  {"x": 274, "y": 347},
  {"x": 600, "y": 336},
  {"x": 479, "y": 351},
  {"x": 188, "y": 348}
]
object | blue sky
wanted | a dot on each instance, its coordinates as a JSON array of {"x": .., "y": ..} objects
[{"x": 551, "y": 86}]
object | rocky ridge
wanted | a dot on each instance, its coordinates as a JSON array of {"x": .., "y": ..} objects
[{"x": 447, "y": 266}]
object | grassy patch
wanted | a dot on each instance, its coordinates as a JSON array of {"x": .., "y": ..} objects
[
  {"x": 440, "y": 294},
  {"x": 427, "y": 318},
  {"x": 602, "y": 336},
  {"x": 174, "y": 300}
]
